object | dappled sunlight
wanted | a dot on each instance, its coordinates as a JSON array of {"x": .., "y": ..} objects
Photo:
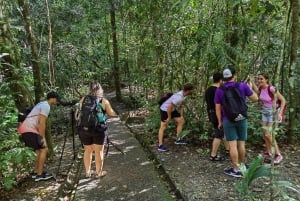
[{"x": 146, "y": 163}]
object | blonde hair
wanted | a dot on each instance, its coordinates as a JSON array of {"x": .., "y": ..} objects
[{"x": 96, "y": 89}]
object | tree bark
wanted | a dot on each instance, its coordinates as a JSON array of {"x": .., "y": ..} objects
[
  {"x": 292, "y": 71},
  {"x": 36, "y": 69},
  {"x": 10, "y": 64},
  {"x": 116, "y": 68},
  {"x": 34, "y": 51}
]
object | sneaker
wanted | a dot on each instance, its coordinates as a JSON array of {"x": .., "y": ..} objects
[
  {"x": 33, "y": 174},
  {"x": 162, "y": 148},
  {"x": 266, "y": 156},
  {"x": 180, "y": 141},
  {"x": 232, "y": 172},
  {"x": 278, "y": 158},
  {"x": 43, "y": 177}
]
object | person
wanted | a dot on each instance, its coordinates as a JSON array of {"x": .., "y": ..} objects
[
  {"x": 210, "y": 107},
  {"x": 93, "y": 141},
  {"x": 32, "y": 131},
  {"x": 235, "y": 132},
  {"x": 267, "y": 114},
  {"x": 169, "y": 110}
]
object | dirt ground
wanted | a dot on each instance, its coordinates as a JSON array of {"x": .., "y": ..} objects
[{"x": 194, "y": 176}]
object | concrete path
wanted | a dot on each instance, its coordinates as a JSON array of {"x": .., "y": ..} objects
[{"x": 130, "y": 177}]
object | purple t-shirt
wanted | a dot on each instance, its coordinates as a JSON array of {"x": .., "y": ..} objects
[{"x": 243, "y": 88}]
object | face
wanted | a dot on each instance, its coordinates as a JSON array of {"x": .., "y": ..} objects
[{"x": 262, "y": 80}]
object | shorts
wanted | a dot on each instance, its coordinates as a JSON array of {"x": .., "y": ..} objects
[
  {"x": 235, "y": 130},
  {"x": 267, "y": 115},
  {"x": 33, "y": 140},
  {"x": 92, "y": 137},
  {"x": 164, "y": 115}
]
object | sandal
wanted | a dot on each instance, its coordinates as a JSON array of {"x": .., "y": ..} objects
[
  {"x": 88, "y": 175},
  {"x": 101, "y": 174},
  {"x": 217, "y": 158}
]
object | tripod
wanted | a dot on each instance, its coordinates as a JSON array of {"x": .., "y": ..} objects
[
  {"x": 64, "y": 144},
  {"x": 108, "y": 143}
]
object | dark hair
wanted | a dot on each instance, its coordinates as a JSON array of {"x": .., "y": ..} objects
[
  {"x": 53, "y": 94},
  {"x": 217, "y": 77},
  {"x": 265, "y": 76},
  {"x": 188, "y": 87}
]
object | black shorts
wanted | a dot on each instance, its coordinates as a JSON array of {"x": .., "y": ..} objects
[
  {"x": 33, "y": 140},
  {"x": 92, "y": 137},
  {"x": 164, "y": 115}
]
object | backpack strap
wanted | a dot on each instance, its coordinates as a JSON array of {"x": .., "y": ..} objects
[{"x": 269, "y": 92}]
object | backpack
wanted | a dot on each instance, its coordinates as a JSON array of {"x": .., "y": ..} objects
[
  {"x": 278, "y": 102},
  {"x": 164, "y": 97},
  {"x": 92, "y": 117},
  {"x": 24, "y": 112},
  {"x": 234, "y": 106}
]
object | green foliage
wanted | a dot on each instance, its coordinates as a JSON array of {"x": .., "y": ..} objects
[
  {"x": 258, "y": 170},
  {"x": 15, "y": 159},
  {"x": 255, "y": 171}
]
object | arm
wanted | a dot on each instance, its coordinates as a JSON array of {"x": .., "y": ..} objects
[
  {"x": 254, "y": 86},
  {"x": 76, "y": 114},
  {"x": 169, "y": 111},
  {"x": 218, "y": 108},
  {"x": 254, "y": 97},
  {"x": 42, "y": 125},
  {"x": 283, "y": 102},
  {"x": 108, "y": 109}
]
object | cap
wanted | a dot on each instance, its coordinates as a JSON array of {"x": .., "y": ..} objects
[
  {"x": 53, "y": 94},
  {"x": 228, "y": 74}
]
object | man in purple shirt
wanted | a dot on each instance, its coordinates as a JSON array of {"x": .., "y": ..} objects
[{"x": 235, "y": 131}]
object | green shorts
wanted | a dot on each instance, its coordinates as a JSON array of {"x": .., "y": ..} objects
[{"x": 235, "y": 131}]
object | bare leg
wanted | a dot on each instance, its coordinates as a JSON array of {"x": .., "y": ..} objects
[
  {"x": 161, "y": 131},
  {"x": 241, "y": 151},
  {"x": 87, "y": 158},
  {"x": 180, "y": 122},
  {"x": 215, "y": 146},
  {"x": 99, "y": 157},
  {"x": 234, "y": 156},
  {"x": 41, "y": 156}
]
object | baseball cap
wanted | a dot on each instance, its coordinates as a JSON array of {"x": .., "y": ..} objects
[
  {"x": 228, "y": 73},
  {"x": 53, "y": 94}
]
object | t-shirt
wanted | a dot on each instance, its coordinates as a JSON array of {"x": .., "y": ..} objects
[
  {"x": 31, "y": 123},
  {"x": 243, "y": 88},
  {"x": 209, "y": 98},
  {"x": 265, "y": 98},
  {"x": 176, "y": 99}
]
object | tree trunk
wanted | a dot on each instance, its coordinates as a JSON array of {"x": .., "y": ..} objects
[
  {"x": 292, "y": 71},
  {"x": 116, "y": 68},
  {"x": 10, "y": 64},
  {"x": 34, "y": 51},
  {"x": 36, "y": 69},
  {"x": 50, "y": 49}
]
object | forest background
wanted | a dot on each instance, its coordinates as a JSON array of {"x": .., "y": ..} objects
[{"x": 150, "y": 47}]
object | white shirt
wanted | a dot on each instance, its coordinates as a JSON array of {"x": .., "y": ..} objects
[
  {"x": 176, "y": 99},
  {"x": 31, "y": 123}
]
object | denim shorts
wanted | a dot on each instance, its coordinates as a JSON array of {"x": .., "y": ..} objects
[
  {"x": 235, "y": 130},
  {"x": 267, "y": 115}
]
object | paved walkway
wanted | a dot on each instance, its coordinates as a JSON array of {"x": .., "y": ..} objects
[{"x": 130, "y": 177}]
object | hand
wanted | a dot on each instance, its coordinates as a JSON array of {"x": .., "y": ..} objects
[
  {"x": 220, "y": 126},
  {"x": 279, "y": 118},
  {"x": 167, "y": 120},
  {"x": 250, "y": 85}
]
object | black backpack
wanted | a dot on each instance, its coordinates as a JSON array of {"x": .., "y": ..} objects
[
  {"x": 90, "y": 113},
  {"x": 234, "y": 106},
  {"x": 24, "y": 112},
  {"x": 164, "y": 97}
]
